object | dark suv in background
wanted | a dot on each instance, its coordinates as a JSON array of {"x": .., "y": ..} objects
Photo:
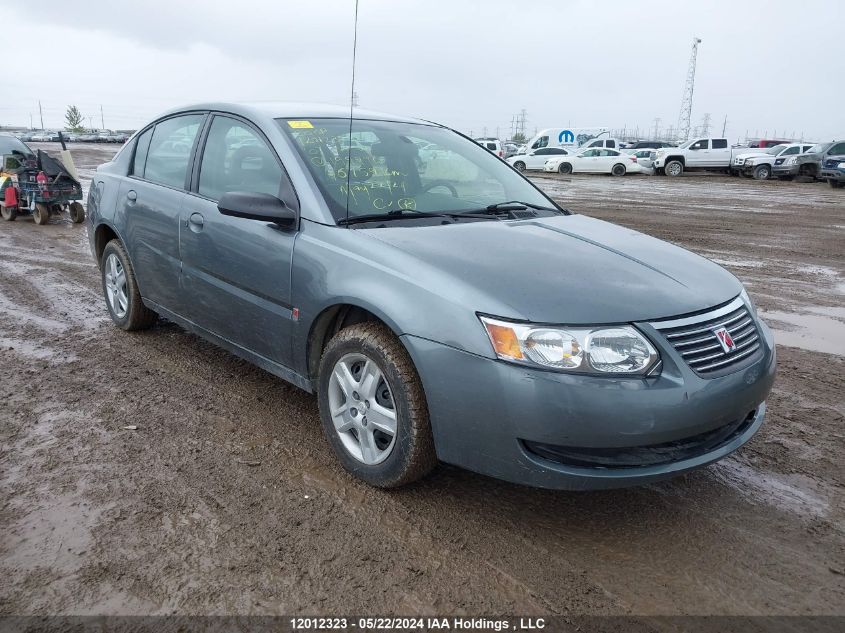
[
  {"x": 833, "y": 166},
  {"x": 810, "y": 163}
]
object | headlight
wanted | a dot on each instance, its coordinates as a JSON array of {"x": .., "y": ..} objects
[
  {"x": 749, "y": 303},
  {"x": 841, "y": 165},
  {"x": 604, "y": 350}
]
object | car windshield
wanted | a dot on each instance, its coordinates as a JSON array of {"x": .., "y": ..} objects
[
  {"x": 818, "y": 149},
  {"x": 9, "y": 144},
  {"x": 403, "y": 166},
  {"x": 775, "y": 149}
]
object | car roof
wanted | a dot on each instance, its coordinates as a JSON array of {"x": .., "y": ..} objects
[{"x": 287, "y": 109}]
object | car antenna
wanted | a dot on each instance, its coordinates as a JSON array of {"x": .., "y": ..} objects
[{"x": 351, "y": 107}]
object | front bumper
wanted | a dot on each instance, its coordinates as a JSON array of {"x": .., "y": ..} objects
[
  {"x": 833, "y": 174},
  {"x": 491, "y": 416}
]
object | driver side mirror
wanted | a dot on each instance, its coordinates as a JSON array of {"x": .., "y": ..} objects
[{"x": 257, "y": 206}]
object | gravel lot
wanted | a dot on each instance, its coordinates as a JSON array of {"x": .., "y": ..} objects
[{"x": 226, "y": 498}]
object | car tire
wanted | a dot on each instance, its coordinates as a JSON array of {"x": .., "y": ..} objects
[
  {"x": 41, "y": 215},
  {"x": 369, "y": 361},
  {"x": 8, "y": 213},
  {"x": 762, "y": 172},
  {"x": 565, "y": 168},
  {"x": 674, "y": 168},
  {"x": 835, "y": 183},
  {"x": 618, "y": 170},
  {"x": 519, "y": 166},
  {"x": 77, "y": 213},
  {"x": 123, "y": 300}
]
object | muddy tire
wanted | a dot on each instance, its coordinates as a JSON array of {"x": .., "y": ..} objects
[
  {"x": 8, "y": 213},
  {"x": 565, "y": 168},
  {"x": 120, "y": 290},
  {"x": 519, "y": 166},
  {"x": 365, "y": 371},
  {"x": 41, "y": 215},
  {"x": 762, "y": 172},
  {"x": 77, "y": 213},
  {"x": 674, "y": 168},
  {"x": 618, "y": 170}
]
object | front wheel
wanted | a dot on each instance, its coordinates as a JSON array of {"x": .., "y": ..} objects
[
  {"x": 836, "y": 184},
  {"x": 8, "y": 213},
  {"x": 565, "y": 168},
  {"x": 674, "y": 168},
  {"x": 373, "y": 407},
  {"x": 519, "y": 166},
  {"x": 41, "y": 215},
  {"x": 618, "y": 170},
  {"x": 120, "y": 289},
  {"x": 77, "y": 213},
  {"x": 762, "y": 172}
]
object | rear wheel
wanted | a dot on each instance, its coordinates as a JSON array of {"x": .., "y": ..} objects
[
  {"x": 618, "y": 170},
  {"x": 41, "y": 215},
  {"x": 120, "y": 289},
  {"x": 9, "y": 213},
  {"x": 373, "y": 407},
  {"x": 77, "y": 213},
  {"x": 762, "y": 172},
  {"x": 565, "y": 168},
  {"x": 519, "y": 165},
  {"x": 674, "y": 168}
]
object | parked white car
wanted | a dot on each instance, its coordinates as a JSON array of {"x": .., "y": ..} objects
[
  {"x": 763, "y": 164},
  {"x": 595, "y": 161},
  {"x": 536, "y": 159},
  {"x": 492, "y": 144}
]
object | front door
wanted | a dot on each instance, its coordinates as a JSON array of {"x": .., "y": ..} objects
[{"x": 235, "y": 271}]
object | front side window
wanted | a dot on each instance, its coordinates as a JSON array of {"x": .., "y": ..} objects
[
  {"x": 542, "y": 152},
  {"x": 791, "y": 150},
  {"x": 837, "y": 149},
  {"x": 170, "y": 150},
  {"x": 703, "y": 144},
  {"x": 236, "y": 158},
  {"x": 540, "y": 142},
  {"x": 381, "y": 168}
]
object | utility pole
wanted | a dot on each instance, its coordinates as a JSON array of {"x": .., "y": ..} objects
[
  {"x": 725, "y": 125},
  {"x": 41, "y": 113},
  {"x": 102, "y": 120},
  {"x": 686, "y": 100},
  {"x": 656, "y": 128}
]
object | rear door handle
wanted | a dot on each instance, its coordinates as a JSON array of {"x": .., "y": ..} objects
[{"x": 132, "y": 196}]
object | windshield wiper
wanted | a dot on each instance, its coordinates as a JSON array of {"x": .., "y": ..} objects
[
  {"x": 401, "y": 214},
  {"x": 516, "y": 205}
]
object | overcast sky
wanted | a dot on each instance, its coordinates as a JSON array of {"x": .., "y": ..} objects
[{"x": 769, "y": 66}]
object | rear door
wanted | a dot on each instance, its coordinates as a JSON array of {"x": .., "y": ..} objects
[
  {"x": 149, "y": 203},
  {"x": 720, "y": 153},
  {"x": 236, "y": 272}
]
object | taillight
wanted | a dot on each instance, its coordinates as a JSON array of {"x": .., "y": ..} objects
[
  {"x": 633, "y": 158},
  {"x": 501, "y": 153}
]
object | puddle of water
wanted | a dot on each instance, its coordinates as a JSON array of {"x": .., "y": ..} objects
[
  {"x": 791, "y": 493},
  {"x": 822, "y": 330}
]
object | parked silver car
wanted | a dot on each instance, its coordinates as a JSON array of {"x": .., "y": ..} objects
[{"x": 441, "y": 309}]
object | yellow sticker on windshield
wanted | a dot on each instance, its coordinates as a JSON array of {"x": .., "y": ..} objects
[{"x": 300, "y": 124}]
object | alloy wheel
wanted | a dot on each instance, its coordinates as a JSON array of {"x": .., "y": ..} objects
[
  {"x": 362, "y": 409},
  {"x": 116, "y": 292}
]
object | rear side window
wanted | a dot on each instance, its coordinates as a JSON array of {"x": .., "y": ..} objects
[
  {"x": 557, "y": 150},
  {"x": 611, "y": 144},
  {"x": 720, "y": 143},
  {"x": 491, "y": 146},
  {"x": 170, "y": 150},
  {"x": 236, "y": 158},
  {"x": 141, "y": 149}
]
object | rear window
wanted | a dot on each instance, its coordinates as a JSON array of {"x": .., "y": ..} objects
[{"x": 170, "y": 150}]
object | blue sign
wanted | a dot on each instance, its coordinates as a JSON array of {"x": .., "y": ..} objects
[{"x": 566, "y": 137}]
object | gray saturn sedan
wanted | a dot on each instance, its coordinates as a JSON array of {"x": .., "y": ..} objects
[{"x": 441, "y": 307}]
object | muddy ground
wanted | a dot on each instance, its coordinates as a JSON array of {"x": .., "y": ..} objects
[{"x": 226, "y": 499}]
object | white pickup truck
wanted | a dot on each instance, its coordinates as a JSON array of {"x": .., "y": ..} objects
[{"x": 698, "y": 153}]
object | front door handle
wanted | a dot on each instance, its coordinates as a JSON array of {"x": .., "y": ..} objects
[
  {"x": 132, "y": 196},
  {"x": 195, "y": 222}
]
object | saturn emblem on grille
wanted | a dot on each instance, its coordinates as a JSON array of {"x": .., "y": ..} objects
[{"x": 725, "y": 339}]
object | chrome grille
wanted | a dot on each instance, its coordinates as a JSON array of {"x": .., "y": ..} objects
[{"x": 694, "y": 338}]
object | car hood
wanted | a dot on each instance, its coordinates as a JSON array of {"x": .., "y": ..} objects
[
  {"x": 563, "y": 269},
  {"x": 752, "y": 154}
]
